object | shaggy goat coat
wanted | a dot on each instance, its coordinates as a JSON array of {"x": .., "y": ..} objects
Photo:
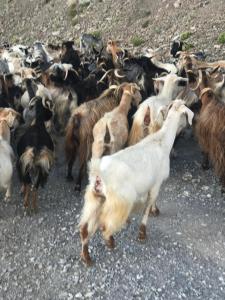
[
  {"x": 79, "y": 136},
  {"x": 123, "y": 180}
]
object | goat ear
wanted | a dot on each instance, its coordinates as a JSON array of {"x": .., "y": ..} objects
[{"x": 189, "y": 114}]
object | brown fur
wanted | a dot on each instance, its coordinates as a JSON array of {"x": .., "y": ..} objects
[
  {"x": 210, "y": 131},
  {"x": 79, "y": 136}
]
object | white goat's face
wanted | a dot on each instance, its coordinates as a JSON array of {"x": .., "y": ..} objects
[{"x": 171, "y": 82}]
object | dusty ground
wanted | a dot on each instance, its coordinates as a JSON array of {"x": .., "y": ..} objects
[
  {"x": 155, "y": 22},
  {"x": 183, "y": 257}
]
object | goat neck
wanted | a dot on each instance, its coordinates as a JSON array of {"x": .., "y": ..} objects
[
  {"x": 125, "y": 103},
  {"x": 169, "y": 130}
]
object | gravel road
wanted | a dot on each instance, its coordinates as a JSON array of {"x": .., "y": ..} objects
[{"x": 183, "y": 257}]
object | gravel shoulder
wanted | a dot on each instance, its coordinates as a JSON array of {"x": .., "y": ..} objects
[{"x": 183, "y": 257}]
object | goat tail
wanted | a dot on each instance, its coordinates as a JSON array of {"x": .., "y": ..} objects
[
  {"x": 72, "y": 136},
  {"x": 141, "y": 119},
  {"x": 45, "y": 160},
  {"x": 26, "y": 161}
]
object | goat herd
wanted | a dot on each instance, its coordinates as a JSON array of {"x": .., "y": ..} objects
[{"x": 122, "y": 111}]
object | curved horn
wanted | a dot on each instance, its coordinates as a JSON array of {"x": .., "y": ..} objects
[
  {"x": 199, "y": 80},
  {"x": 33, "y": 101},
  {"x": 113, "y": 87},
  {"x": 124, "y": 53},
  {"x": 104, "y": 76},
  {"x": 117, "y": 74},
  {"x": 47, "y": 103}
]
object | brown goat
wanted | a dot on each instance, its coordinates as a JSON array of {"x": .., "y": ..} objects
[
  {"x": 79, "y": 136},
  {"x": 210, "y": 129},
  {"x": 111, "y": 131}
]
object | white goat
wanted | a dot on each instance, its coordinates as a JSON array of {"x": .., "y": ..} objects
[
  {"x": 111, "y": 131},
  {"x": 149, "y": 116},
  {"x": 8, "y": 119},
  {"x": 127, "y": 179}
]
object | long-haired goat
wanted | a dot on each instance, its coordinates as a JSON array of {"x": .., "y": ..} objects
[
  {"x": 35, "y": 152},
  {"x": 111, "y": 132},
  {"x": 79, "y": 136},
  {"x": 8, "y": 120},
  {"x": 147, "y": 119},
  {"x": 210, "y": 129},
  {"x": 127, "y": 179}
]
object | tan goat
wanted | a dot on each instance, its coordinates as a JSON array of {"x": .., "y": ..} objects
[{"x": 111, "y": 132}]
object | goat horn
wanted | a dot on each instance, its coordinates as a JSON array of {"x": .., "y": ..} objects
[
  {"x": 47, "y": 104},
  {"x": 199, "y": 80},
  {"x": 117, "y": 74},
  {"x": 124, "y": 53},
  {"x": 113, "y": 87},
  {"x": 104, "y": 76},
  {"x": 32, "y": 102}
]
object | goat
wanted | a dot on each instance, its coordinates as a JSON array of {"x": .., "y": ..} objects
[
  {"x": 8, "y": 119},
  {"x": 210, "y": 129},
  {"x": 129, "y": 178},
  {"x": 69, "y": 55},
  {"x": 114, "y": 125},
  {"x": 79, "y": 136},
  {"x": 118, "y": 54},
  {"x": 90, "y": 43},
  {"x": 149, "y": 116},
  {"x": 35, "y": 152}
]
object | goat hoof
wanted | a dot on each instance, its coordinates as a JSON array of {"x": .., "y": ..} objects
[
  {"x": 128, "y": 221},
  {"x": 86, "y": 259},
  {"x": 205, "y": 166},
  {"x": 142, "y": 233},
  {"x": 111, "y": 243},
  {"x": 27, "y": 212},
  {"x": 77, "y": 188},
  {"x": 34, "y": 210},
  {"x": 7, "y": 199},
  {"x": 69, "y": 178},
  {"x": 154, "y": 212}
]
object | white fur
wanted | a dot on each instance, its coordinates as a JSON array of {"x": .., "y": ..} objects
[
  {"x": 168, "y": 91},
  {"x": 6, "y": 167},
  {"x": 129, "y": 178}
]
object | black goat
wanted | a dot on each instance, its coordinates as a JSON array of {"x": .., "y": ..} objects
[
  {"x": 70, "y": 55},
  {"x": 141, "y": 70},
  {"x": 35, "y": 151}
]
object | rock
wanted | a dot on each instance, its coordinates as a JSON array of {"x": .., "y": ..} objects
[
  {"x": 177, "y": 4},
  {"x": 187, "y": 176},
  {"x": 56, "y": 33},
  {"x": 79, "y": 296}
]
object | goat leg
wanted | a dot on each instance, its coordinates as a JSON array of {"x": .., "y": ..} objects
[
  {"x": 154, "y": 211},
  {"x": 85, "y": 256},
  {"x": 222, "y": 182},
  {"x": 8, "y": 192},
  {"x": 80, "y": 177},
  {"x": 26, "y": 202},
  {"x": 34, "y": 200},
  {"x": 110, "y": 242},
  {"x": 205, "y": 161},
  {"x": 152, "y": 196},
  {"x": 69, "y": 176}
]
